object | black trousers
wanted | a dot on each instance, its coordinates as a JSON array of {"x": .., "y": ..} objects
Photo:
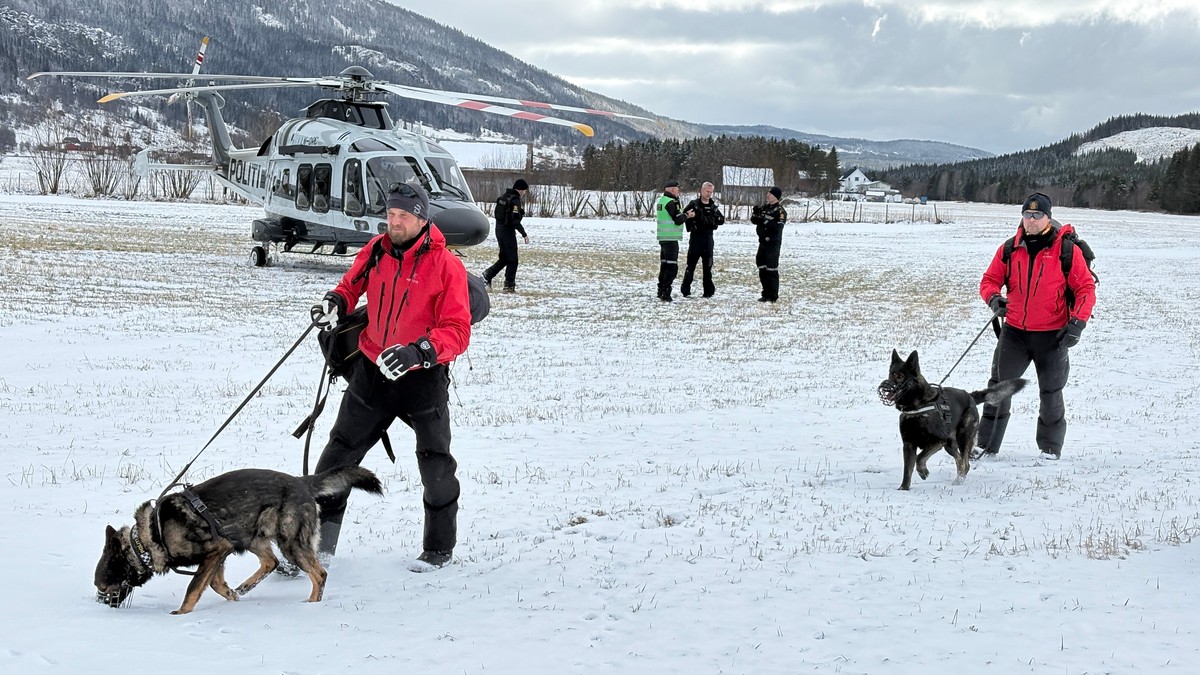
[
  {"x": 371, "y": 403},
  {"x": 1014, "y": 352},
  {"x": 767, "y": 260},
  {"x": 700, "y": 248},
  {"x": 668, "y": 267},
  {"x": 507, "y": 238}
]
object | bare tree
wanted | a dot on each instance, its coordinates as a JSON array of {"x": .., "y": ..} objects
[
  {"x": 101, "y": 166},
  {"x": 49, "y": 154}
]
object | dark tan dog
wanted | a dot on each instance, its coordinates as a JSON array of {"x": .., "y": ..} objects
[{"x": 249, "y": 509}]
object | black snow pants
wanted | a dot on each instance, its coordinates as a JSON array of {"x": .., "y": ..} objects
[
  {"x": 506, "y": 237},
  {"x": 700, "y": 248},
  {"x": 668, "y": 268},
  {"x": 420, "y": 399},
  {"x": 767, "y": 260},
  {"x": 1014, "y": 352}
]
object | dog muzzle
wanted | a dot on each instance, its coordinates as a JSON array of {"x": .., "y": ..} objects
[
  {"x": 116, "y": 597},
  {"x": 889, "y": 390}
]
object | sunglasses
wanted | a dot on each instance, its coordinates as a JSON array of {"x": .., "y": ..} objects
[
  {"x": 1033, "y": 215},
  {"x": 404, "y": 189}
]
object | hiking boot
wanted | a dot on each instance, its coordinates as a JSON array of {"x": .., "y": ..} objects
[
  {"x": 486, "y": 281},
  {"x": 510, "y": 289},
  {"x": 429, "y": 561},
  {"x": 665, "y": 298},
  {"x": 1051, "y": 454}
]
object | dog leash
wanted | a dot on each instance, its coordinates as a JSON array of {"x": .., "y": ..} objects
[
  {"x": 238, "y": 410},
  {"x": 964, "y": 354}
]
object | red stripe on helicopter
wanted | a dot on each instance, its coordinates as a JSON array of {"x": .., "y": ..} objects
[
  {"x": 474, "y": 105},
  {"x": 600, "y": 112},
  {"x": 535, "y": 104},
  {"x": 529, "y": 116}
]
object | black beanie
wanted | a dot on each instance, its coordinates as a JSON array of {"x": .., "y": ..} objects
[
  {"x": 777, "y": 192},
  {"x": 410, "y": 198},
  {"x": 520, "y": 184},
  {"x": 1037, "y": 202}
]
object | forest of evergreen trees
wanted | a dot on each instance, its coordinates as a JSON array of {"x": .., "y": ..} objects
[
  {"x": 1108, "y": 179},
  {"x": 644, "y": 165},
  {"x": 1178, "y": 190}
]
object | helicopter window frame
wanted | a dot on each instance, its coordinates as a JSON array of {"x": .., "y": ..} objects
[
  {"x": 322, "y": 182},
  {"x": 352, "y": 189},
  {"x": 304, "y": 186},
  {"x": 381, "y": 172}
]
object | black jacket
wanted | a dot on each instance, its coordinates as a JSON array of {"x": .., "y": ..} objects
[
  {"x": 708, "y": 216},
  {"x": 510, "y": 211},
  {"x": 769, "y": 219}
]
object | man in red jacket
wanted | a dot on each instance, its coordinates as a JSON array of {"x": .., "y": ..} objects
[
  {"x": 1039, "y": 325},
  {"x": 420, "y": 320}
]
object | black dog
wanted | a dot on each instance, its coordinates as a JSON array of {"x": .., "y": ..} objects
[
  {"x": 244, "y": 510},
  {"x": 934, "y": 417}
]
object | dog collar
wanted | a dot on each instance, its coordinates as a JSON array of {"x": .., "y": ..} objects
[{"x": 139, "y": 549}]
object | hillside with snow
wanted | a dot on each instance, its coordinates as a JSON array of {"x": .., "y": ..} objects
[{"x": 1150, "y": 144}]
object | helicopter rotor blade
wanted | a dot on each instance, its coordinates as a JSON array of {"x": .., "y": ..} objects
[
  {"x": 527, "y": 104},
  {"x": 313, "y": 82},
  {"x": 461, "y": 102},
  {"x": 173, "y": 76}
]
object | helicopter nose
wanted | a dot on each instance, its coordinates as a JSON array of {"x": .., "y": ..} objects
[{"x": 462, "y": 224}]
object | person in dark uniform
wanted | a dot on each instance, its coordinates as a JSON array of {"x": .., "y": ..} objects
[
  {"x": 769, "y": 219},
  {"x": 700, "y": 227},
  {"x": 670, "y": 219},
  {"x": 1039, "y": 323},
  {"x": 510, "y": 210}
]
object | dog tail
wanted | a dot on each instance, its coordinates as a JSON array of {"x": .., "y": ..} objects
[
  {"x": 340, "y": 481},
  {"x": 999, "y": 392}
]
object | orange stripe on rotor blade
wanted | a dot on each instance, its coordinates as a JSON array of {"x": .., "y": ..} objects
[{"x": 585, "y": 130}]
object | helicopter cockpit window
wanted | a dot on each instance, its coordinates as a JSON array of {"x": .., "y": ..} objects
[
  {"x": 352, "y": 189},
  {"x": 322, "y": 177},
  {"x": 450, "y": 177},
  {"x": 382, "y": 172},
  {"x": 304, "y": 186},
  {"x": 370, "y": 145}
]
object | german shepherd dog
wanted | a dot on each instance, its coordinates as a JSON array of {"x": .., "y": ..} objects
[
  {"x": 934, "y": 417},
  {"x": 244, "y": 510}
]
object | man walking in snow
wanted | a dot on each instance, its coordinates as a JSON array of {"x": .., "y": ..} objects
[
  {"x": 1040, "y": 325},
  {"x": 420, "y": 321},
  {"x": 509, "y": 212},
  {"x": 670, "y": 218},
  {"x": 700, "y": 227}
]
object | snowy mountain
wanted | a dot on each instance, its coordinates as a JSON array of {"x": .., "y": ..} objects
[
  {"x": 869, "y": 154},
  {"x": 322, "y": 37},
  {"x": 1150, "y": 144}
]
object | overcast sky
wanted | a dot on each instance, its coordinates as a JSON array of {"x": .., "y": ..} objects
[{"x": 1000, "y": 75}]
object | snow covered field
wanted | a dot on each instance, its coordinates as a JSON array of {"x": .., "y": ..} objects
[{"x": 707, "y": 486}]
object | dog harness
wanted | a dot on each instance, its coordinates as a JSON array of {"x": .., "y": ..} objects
[{"x": 939, "y": 404}]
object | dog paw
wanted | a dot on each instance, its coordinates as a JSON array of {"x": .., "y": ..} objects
[{"x": 922, "y": 472}]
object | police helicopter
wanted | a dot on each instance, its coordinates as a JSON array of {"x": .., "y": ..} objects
[{"x": 323, "y": 178}]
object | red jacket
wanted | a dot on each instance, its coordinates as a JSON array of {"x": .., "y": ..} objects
[
  {"x": 437, "y": 304},
  {"x": 1036, "y": 302}
]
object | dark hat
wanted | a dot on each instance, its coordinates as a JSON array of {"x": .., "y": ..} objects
[
  {"x": 409, "y": 198},
  {"x": 670, "y": 183},
  {"x": 1037, "y": 202},
  {"x": 777, "y": 192},
  {"x": 520, "y": 184}
]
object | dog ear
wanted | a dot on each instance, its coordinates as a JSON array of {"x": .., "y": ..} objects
[
  {"x": 896, "y": 356},
  {"x": 109, "y": 532},
  {"x": 912, "y": 361}
]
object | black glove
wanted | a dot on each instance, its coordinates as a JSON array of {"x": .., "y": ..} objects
[
  {"x": 396, "y": 361},
  {"x": 999, "y": 306},
  {"x": 325, "y": 314},
  {"x": 1071, "y": 334}
]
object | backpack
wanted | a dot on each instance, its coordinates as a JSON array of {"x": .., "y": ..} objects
[{"x": 1066, "y": 258}]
